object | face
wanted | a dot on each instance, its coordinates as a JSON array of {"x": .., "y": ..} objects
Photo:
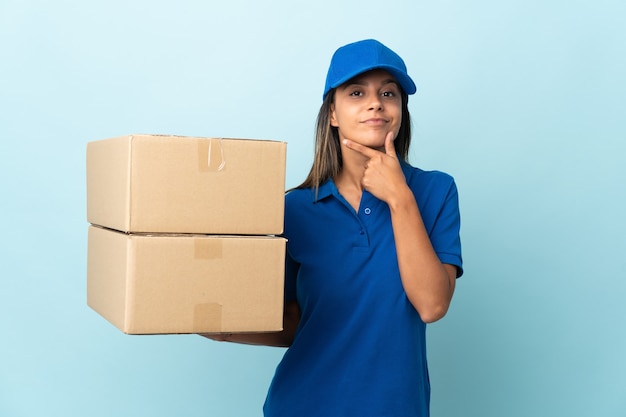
[{"x": 366, "y": 108}]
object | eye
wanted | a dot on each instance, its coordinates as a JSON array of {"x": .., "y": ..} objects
[
  {"x": 389, "y": 94},
  {"x": 356, "y": 93}
]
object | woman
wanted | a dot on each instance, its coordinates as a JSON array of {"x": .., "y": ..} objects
[{"x": 373, "y": 253}]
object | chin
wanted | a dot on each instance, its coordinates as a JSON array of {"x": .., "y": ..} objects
[{"x": 375, "y": 143}]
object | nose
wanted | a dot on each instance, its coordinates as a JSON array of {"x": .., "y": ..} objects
[{"x": 376, "y": 103}]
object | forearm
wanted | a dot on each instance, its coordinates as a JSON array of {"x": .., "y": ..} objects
[
  {"x": 428, "y": 283},
  {"x": 278, "y": 339}
]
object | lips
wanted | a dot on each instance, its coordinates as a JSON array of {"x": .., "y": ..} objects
[{"x": 375, "y": 121}]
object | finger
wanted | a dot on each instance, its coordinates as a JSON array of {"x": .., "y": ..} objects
[
  {"x": 390, "y": 149},
  {"x": 364, "y": 150}
]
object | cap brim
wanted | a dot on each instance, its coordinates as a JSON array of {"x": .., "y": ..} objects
[{"x": 406, "y": 83}]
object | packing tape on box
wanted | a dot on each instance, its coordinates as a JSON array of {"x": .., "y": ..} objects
[
  {"x": 210, "y": 159},
  {"x": 208, "y": 317},
  {"x": 207, "y": 248}
]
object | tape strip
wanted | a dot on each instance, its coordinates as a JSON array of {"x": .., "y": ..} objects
[
  {"x": 211, "y": 157},
  {"x": 222, "y": 161},
  {"x": 207, "y": 248}
]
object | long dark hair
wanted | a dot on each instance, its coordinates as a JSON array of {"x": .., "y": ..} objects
[{"x": 328, "y": 162}]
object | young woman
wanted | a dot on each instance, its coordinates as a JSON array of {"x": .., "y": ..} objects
[{"x": 373, "y": 253}]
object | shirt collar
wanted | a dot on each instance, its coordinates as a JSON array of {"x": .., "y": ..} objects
[{"x": 327, "y": 189}]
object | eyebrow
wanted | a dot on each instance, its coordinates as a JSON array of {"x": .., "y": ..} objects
[{"x": 358, "y": 80}]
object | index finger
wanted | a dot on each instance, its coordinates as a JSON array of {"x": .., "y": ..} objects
[{"x": 363, "y": 150}]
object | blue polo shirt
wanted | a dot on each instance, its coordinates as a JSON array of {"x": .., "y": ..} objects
[{"x": 360, "y": 347}]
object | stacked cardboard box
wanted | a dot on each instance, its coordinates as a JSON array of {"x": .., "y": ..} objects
[{"x": 182, "y": 235}]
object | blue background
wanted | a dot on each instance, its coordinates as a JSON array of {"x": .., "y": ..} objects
[{"x": 524, "y": 102}]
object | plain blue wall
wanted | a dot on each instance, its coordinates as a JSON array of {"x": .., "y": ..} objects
[{"x": 524, "y": 102}]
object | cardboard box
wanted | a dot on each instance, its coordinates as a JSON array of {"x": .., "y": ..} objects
[
  {"x": 167, "y": 284},
  {"x": 177, "y": 184}
]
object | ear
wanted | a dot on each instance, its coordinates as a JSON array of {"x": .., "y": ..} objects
[{"x": 333, "y": 118}]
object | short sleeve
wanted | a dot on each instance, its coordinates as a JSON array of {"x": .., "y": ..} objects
[{"x": 445, "y": 233}]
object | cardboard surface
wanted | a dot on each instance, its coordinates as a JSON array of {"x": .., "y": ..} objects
[
  {"x": 177, "y": 184},
  {"x": 170, "y": 284}
]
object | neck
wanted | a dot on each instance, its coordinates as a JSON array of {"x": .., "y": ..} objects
[
  {"x": 353, "y": 166},
  {"x": 348, "y": 181}
]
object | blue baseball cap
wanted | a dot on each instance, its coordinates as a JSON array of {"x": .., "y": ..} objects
[{"x": 362, "y": 56}]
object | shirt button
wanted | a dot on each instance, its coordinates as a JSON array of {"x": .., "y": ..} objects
[
  {"x": 367, "y": 210},
  {"x": 361, "y": 232}
]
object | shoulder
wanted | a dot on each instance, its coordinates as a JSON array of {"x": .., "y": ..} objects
[
  {"x": 419, "y": 179},
  {"x": 435, "y": 192},
  {"x": 302, "y": 217},
  {"x": 299, "y": 203},
  {"x": 298, "y": 196}
]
